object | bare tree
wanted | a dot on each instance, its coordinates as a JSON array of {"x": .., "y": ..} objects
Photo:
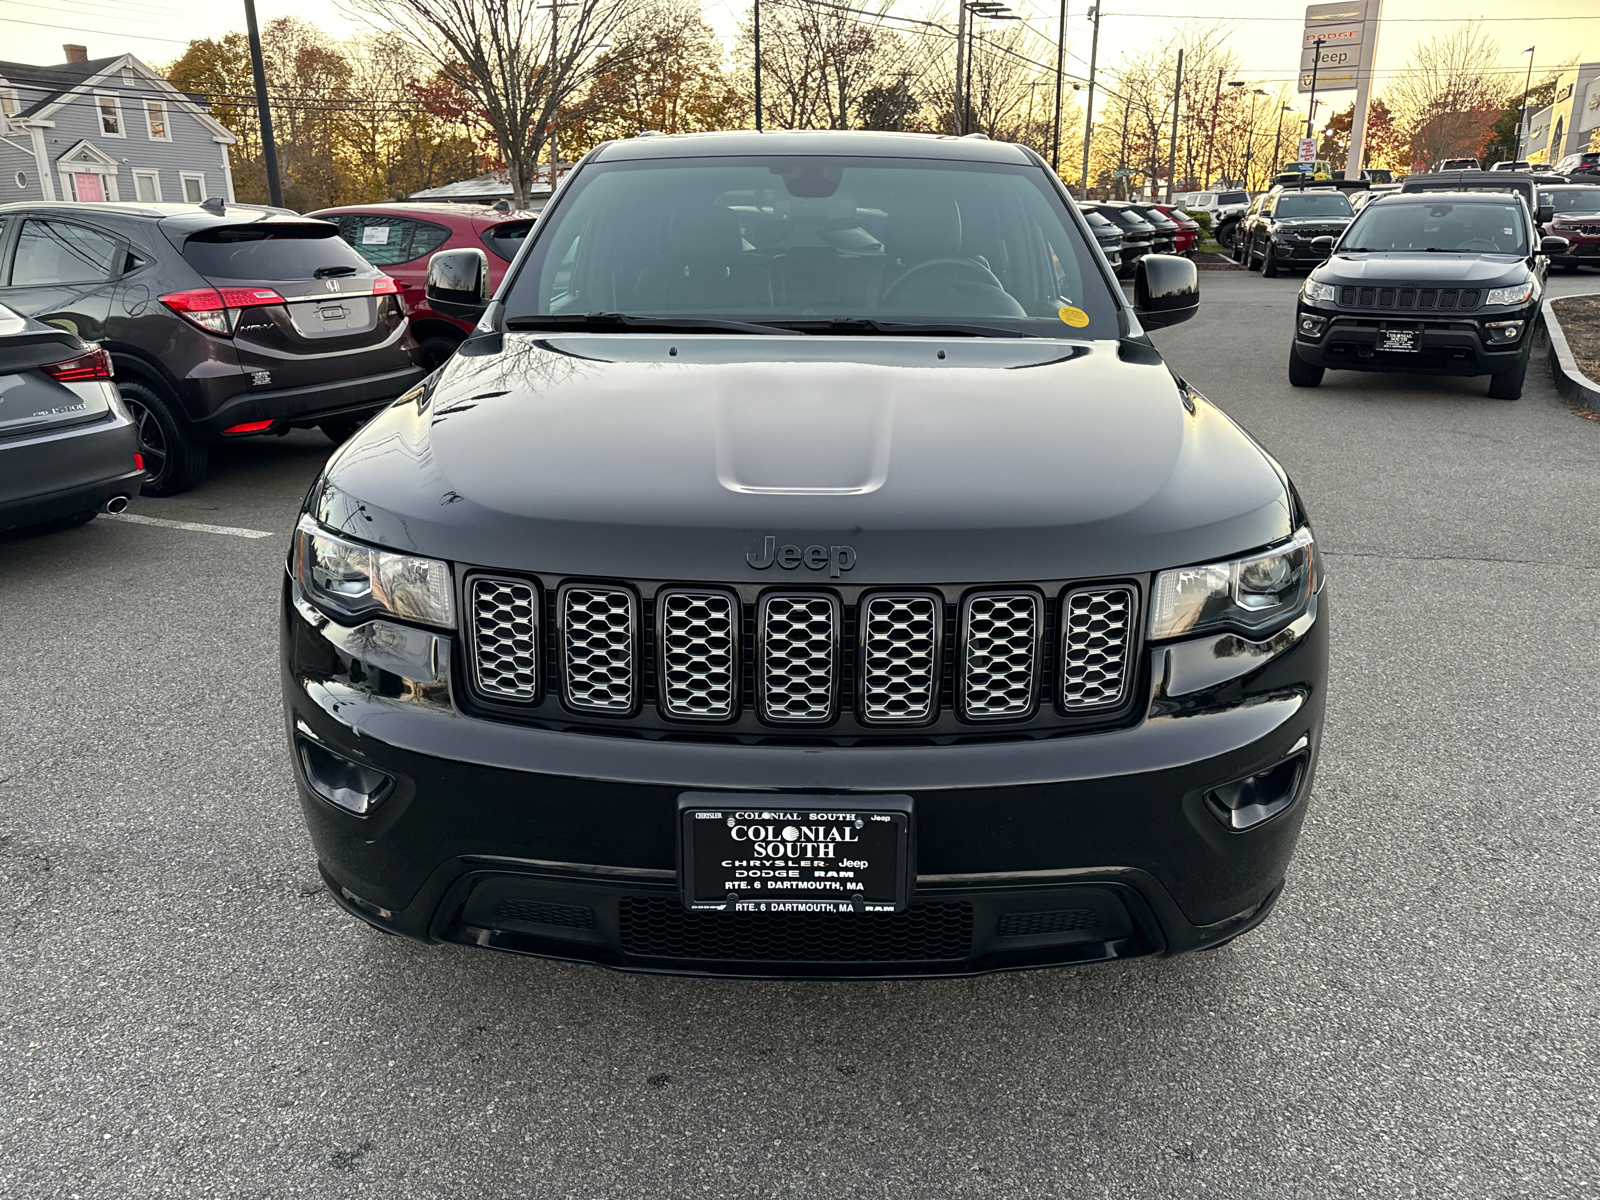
[
  {"x": 1449, "y": 95},
  {"x": 819, "y": 61},
  {"x": 520, "y": 61}
]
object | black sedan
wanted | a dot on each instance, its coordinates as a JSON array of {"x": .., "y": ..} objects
[
  {"x": 1429, "y": 283},
  {"x": 1138, "y": 235},
  {"x": 754, "y": 595},
  {"x": 1284, "y": 229},
  {"x": 68, "y": 449}
]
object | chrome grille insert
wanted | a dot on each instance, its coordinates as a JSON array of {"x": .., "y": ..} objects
[
  {"x": 899, "y": 658},
  {"x": 797, "y": 660},
  {"x": 505, "y": 638},
  {"x": 597, "y": 639},
  {"x": 999, "y": 655},
  {"x": 698, "y": 667},
  {"x": 1097, "y": 639}
]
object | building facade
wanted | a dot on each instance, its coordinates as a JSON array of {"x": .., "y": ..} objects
[
  {"x": 1568, "y": 125},
  {"x": 106, "y": 129}
]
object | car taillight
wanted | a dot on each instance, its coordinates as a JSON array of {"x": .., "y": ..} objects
[
  {"x": 138, "y": 462},
  {"x": 386, "y": 285},
  {"x": 215, "y": 309},
  {"x": 94, "y": 365}
]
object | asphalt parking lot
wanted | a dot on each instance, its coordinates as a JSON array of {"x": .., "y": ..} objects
[{"x": 185, "y": 1013}]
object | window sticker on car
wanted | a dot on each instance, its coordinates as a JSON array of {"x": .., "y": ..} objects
[{"x": 375, "y": 235}]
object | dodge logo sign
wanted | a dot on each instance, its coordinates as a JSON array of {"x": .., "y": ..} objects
[{"x": 834, "y": 559}]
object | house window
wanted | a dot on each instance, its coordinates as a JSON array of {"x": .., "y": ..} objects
[
  {"x": 110, "y": 116},
  {"x": 8, "y": 102},
  {"x": 194, "y": 186},
  {"x": 155, "y": 115},
  {"x": 147, "y": 186}
]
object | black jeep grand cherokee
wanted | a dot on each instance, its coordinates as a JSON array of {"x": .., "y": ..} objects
[
  {"x": 807, "y": 568},
  {"x": 1431, "y": 283}
]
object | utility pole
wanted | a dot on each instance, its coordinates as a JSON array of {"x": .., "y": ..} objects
[
  {"x": 1172, "y": 146},
  {"x": 1088, "y": 110},
  {"x": 1055, "y": 127},
  {"x": 1277, "y": 139},
  {"x": 1211, "y": 142},
  {"x": 269, "y": 148},
  {"x": 757, "y": 6},
  {"x": 1522, "y": 122},
  {"x": 1122, "y": 157},
  {"x": 958, "y": 118}
]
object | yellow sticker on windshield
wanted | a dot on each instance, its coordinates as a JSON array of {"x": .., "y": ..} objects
[{"x": 1075, "y": 317}]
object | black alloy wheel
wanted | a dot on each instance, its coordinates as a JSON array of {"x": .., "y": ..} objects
[
  {"x": 174, "y": 459},
  {"x": 1269, "y": 264}
]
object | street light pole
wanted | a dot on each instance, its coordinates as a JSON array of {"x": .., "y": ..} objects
[
  {"x": 1088, "y": 111},
  {"x": 1277, "y": 140},
  {"x": 756, "y": 4},
  {"x": 1522, "y": 123},
  {"x": 1172, "y": 146},
  {"x": 269, "y": 147},
  {"x": 1055, "y": 126}
]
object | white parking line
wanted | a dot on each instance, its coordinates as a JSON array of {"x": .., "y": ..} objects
[{"x": 194, "y": 526}]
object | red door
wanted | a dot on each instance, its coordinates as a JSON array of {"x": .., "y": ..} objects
[{"x": 88, "y": 187}]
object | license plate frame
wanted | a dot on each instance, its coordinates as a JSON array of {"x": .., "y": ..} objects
[
  {"x": 868, "y": 841},
  {"x": 1399, "y": 341}
]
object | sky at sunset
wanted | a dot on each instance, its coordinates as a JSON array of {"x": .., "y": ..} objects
[{"x": 1266, "y": 36}]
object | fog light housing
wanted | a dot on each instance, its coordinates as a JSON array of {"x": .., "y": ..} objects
[
  {"x": 1246, "y": 803},
  {"x": 342, "y": 783},
  {"x": 1504, "y": 332},
  {"x": 1312, "y": 325}
]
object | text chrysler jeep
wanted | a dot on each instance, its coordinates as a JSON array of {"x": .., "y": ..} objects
[{"x": 807, "y": 567}]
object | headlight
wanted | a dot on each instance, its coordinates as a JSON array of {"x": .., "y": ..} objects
[
  {"x": 1323, "y": 293},
  {"x": 1250, "y": 595},
  {"x": 352, "y": 579},
  {"x": 1510, "y": 295}
]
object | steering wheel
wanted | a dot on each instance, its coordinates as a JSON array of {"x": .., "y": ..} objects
[{"x": 981, "y": 274}]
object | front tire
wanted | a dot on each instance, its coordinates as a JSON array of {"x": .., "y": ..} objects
[
  {"x": 1224, "y": 234},
  {"x": 1269, "y": 264},
  {"x": 1507, "y": 385},
  {"x": 175, "y": 459},
  {"x": 1301, "y": 373}
]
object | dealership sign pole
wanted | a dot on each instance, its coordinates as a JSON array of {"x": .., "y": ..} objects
[{"x": 1336, "y": 52}]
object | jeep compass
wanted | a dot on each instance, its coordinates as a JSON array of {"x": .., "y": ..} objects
[{"x": 808, "y": 567}]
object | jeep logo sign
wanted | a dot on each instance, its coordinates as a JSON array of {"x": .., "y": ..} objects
[{"x": 835, "y": 559}]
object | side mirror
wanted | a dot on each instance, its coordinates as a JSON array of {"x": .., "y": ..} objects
[
  {"x": 1323, "y": 245},
  {"x": 1546, "y": 214},
  {"x": 1166, "y": 290},
  {"x": 458, "y": 283},
  {"x": 1554, "y": 245}
]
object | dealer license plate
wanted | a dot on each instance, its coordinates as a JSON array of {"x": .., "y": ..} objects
[
  {"x": 1404, "y": 340},
  {"x": 785, "y": 853}
]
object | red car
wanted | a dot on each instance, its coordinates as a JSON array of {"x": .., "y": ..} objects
[
  {"x": 399, "y": 239},
  {"x": 1188, "y": 227}
]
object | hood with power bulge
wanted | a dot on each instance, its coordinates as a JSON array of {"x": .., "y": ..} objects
[{"x": 935, "y": 460}]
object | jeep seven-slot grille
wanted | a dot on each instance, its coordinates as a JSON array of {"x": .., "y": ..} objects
[
  {"x": 1426, "y": 299},
  {"x": 1097, "y": 625},
  {"x": 597, "y": 637},
  {"x": 1000, "y": 663},
  {"x": 702, "y": 654},
  {"x": 697, "y": 670}
]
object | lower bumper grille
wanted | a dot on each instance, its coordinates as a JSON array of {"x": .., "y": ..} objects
[{"x": 660, "y": 927}]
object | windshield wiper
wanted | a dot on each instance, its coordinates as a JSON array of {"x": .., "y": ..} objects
[
  {"x": 327, "y": 272},
  {"x": 611, "y": 320},
  {"x": 930, "y": 328}
]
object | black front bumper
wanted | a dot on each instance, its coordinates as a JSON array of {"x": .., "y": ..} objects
[
  {"x": 562, "y": 844},
  {"x": 1445, "y": 346}
]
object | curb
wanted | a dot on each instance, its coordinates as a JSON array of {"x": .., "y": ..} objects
[{"x": 1575, "y": 387}]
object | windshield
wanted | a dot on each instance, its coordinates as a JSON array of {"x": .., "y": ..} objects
[
  {"x": 1473, "y": 228},
  {"x": 809, "y": 240},
  {"x": 1318, "y": 204},
  {"x": 1564, "y": 200}
]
